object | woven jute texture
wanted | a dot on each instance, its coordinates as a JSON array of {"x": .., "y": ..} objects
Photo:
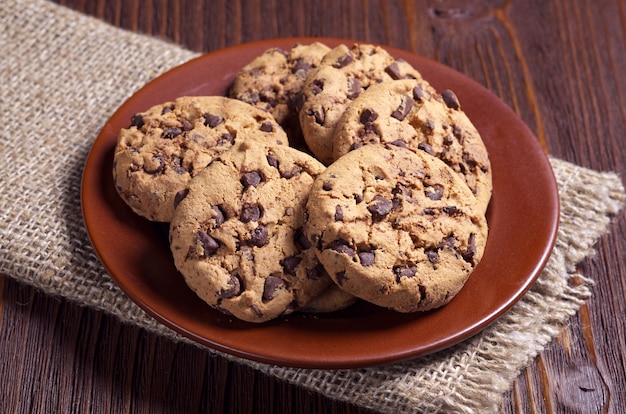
[{"x": 63, "y": 74}]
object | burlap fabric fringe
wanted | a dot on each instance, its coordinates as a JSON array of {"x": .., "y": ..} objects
[{"x": 63, "y": 74}]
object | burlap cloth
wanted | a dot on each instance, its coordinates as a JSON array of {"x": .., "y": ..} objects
[{"x": 63, "y": 74}]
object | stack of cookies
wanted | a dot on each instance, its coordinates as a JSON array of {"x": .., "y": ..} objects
[{"x": 326, "y": 176}]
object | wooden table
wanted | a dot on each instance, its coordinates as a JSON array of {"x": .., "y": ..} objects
[{"x": 559, "y": 64}]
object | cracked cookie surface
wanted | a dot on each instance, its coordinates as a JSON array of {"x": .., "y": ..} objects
[
  {"x": 411, "y": 113},
  {"x": 167, "y": 145},
  {"x": 342, "y": 75},
  {"x": 395, "y": 228},
  {"x": 236, "y": 235}
]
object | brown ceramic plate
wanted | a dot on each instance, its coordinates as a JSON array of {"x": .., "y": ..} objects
[{"x": 523, "y": 219}]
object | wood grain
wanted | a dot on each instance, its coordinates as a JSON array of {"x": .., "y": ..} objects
[{"x": 559, "y": 64}]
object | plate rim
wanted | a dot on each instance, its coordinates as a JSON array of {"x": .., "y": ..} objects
[{"x": 310, "y": 361}]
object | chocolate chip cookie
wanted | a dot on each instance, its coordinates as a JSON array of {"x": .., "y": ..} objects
[
  {"x": 273, "y": 82},
  {"x": 396, "y": 228},
  {"x": 236, "y": 235},
  {"x": 412, "y": 114},
  {"x": 342, "y": 75},
  {"x": 167, "y": 145}
]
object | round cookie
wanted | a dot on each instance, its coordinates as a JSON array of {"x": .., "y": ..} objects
[
  {"x": 273, "y": 82},
  {"x": 165, "y": 146},
  {"x": 341, "y": 76},
  {"x": 236, "y": 236},
  {"x": 411, "y": 113},
  {"x": 395, "y": 228}
]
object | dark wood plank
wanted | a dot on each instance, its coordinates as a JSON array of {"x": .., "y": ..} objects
[{"x": 558, "y": 64}]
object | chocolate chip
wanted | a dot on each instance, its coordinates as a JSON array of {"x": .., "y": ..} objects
[
  {"x": 356, "y": 145},
  {"x": 422, "y": 290},
  {"x": 259, "y": 236},
  {"x": 354, "y": 88},
  {"x": 234, "y": 288},
  {"x": 271, "y": 285},
  {"x": 320, "y": 115},
  {"x": 403, "y": 110},
  {"x": 380, "y": 207},
  {"x": 212, "y": 121},
  {"x": 209, "y": 244},
  {"x": 300, "y": 65},
  {"x": 289, "y": 264},
  {"x": 295, "y": 170},
  {"x": 368, "y": 116},
  {"x": 426, "y": 148},
  {"x": 176, "y": 164},
  {"x": 398, "y": 143},
  {"x": 469, "y": 161},
  {"x": 226, "y": 138},
  {"x": 301, "y": 240},
  {"x": 180, "y": 196},
  {"x": 429, "y": 211},
  {"x": 471, "y": 248},
  {"x": 327, "y": 186},
  {"x": 404, "y": 271},
  {"x": 448, "y": 140},
  {"x": 434, "y": 192},
  {"x": 341, "y": 246},
  {"x": 450, "y": 99},
  {"x": 393, "y": 70},
  {"x": 252, "y": 178},
  {"x": 250, "y": 212},
  {"x": 256, "y": 310},
  {"x": 272, "y": 161},
  {"x": 357, "y": 197},
  {"x": 451, "y": 210},
  {"x": 432, "y": 255},
  {"x": 418, "y": 93},
  {"x": 366, "y": 258},
  {"x": 167, "y": 109},
  {"x": 400, "y": 193},
  {"x": 317, "y": 86},
  {"x": 219, "y": 216},
  {"x": 136, "y": 120},
  {"x": 267, "y": 127},
  {"x": 449, "y": 241},
  {"x": 338, "y": 213},
  {"x": 169, "y": 133},
  {"x": 156, "y": 166},
  {"x": 343, "y": 61}
]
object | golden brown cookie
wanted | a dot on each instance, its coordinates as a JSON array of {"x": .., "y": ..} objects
[
  {"x": 273, "y": 82},
  {"x": 411, "y": 113},
  {"x": 236, "y": 236},
  {"x": 342, "y": 75},
  {"x": 167, "y": 145},
  {"x": 396, "y": 228}
]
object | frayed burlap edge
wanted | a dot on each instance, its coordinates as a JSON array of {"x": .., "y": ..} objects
[{"x": 68, "y": 72}]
